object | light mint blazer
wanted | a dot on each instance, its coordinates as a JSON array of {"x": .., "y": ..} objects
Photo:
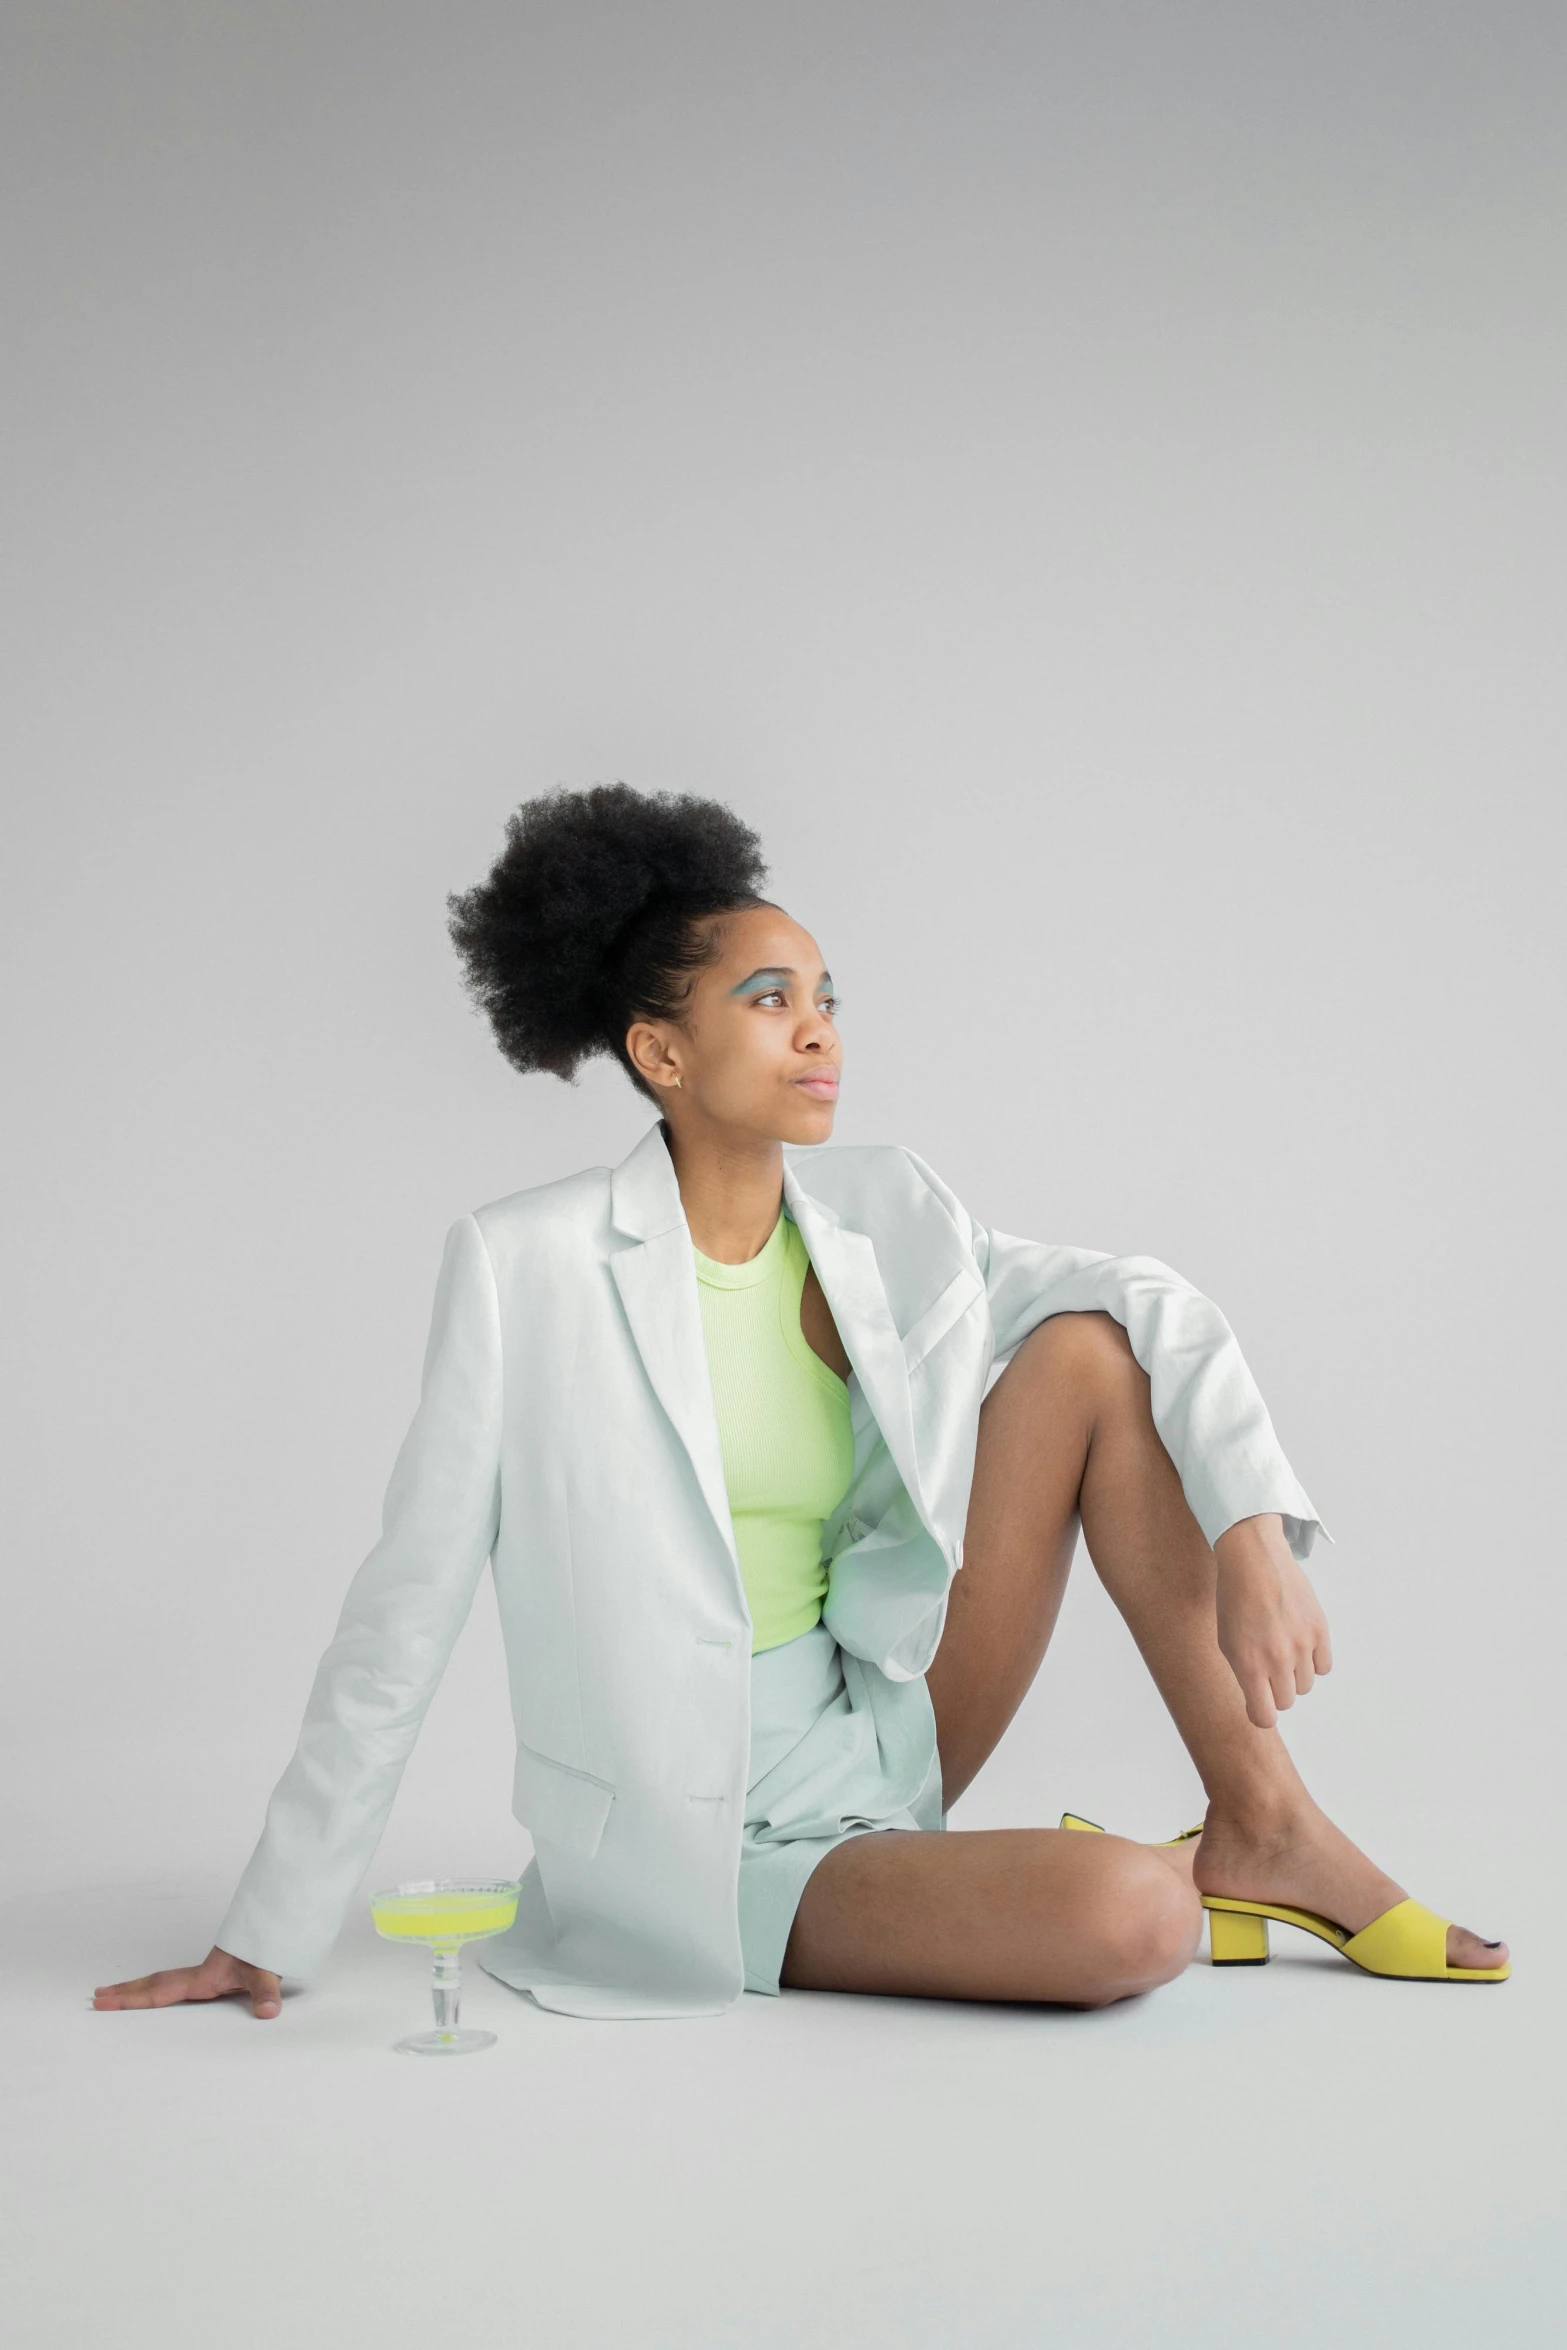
[{"x": 566, "y": 1433}]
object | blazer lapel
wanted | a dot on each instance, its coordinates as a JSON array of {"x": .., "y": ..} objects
[
  {"x": 845, "y": 1262},
  {"x": 656, "y": 1277}
]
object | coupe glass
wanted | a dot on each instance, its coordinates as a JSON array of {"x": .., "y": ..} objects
[{"x": 444, "y": 1913}]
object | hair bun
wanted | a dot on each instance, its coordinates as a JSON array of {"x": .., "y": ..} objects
[{"x": 585, "y": 919}]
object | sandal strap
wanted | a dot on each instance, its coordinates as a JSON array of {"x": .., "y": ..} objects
[{"x": 1407, "y": 1939}]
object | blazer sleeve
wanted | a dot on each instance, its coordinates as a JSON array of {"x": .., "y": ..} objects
[
  {"x": 399, "y": 1621},
  {"x": 1206, "y": 1405}
]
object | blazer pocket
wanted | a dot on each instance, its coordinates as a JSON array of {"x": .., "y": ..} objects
[
  {"x": 965, "y": 1288},
  {"x": 558, "y": 1804}
]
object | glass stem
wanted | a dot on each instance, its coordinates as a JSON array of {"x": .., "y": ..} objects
[{"x": 446, "y": 1988}]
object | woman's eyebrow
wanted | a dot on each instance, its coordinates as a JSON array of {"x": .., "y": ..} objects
[{"x": 774, "y": 971}]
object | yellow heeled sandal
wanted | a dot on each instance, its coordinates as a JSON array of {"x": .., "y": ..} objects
[
  {"x": 1407, "y": 1942},
  {"x": 1070, "y": 1819}
]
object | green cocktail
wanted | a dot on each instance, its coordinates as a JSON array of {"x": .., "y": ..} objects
[{"x": 444, "y": 1913}]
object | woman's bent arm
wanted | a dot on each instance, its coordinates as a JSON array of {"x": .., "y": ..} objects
[
  {"x": 1206, "y": 1406},
  {"x": 399, "y": 1621}
]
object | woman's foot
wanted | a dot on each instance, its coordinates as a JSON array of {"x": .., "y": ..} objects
[{"x": 1301, "y": 1859}]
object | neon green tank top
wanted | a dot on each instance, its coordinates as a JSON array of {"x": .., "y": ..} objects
[{"x": 783, "y": 1423}]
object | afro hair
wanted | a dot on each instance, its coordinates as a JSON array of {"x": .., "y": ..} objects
[{"x": 593, "y": 916}]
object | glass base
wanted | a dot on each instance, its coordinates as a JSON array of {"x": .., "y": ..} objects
[{"x": 445, "y": 2043}]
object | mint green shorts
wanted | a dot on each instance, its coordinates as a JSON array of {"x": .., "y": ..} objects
[{"x": 837, "y": 1749}]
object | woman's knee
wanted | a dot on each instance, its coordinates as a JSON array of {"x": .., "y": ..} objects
[
  {"x": 1150, "y": 1924},
  {"x": 1090, "y": 1345}
]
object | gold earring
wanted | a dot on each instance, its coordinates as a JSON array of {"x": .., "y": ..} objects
[{"x": 679, "y": 1080}]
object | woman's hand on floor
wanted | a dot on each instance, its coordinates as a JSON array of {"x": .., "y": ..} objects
[
  {"x": 219, "y": 1976},
  {"x": 1272, "y": 1629}
]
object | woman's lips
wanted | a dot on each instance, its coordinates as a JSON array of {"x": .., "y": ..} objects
[{"x": 825, "y": 1087}]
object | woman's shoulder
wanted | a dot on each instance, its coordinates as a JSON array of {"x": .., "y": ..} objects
[
  {"x": 866, "y": 1182},
  {"x": 870, "y": 1177},
  {"x": 566, "y": 1203}
]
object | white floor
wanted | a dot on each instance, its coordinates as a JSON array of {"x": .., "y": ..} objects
[{"x": 1286, "y": 2154}]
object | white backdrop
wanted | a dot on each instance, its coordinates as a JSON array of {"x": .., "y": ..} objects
[{"x": 1086, "y": 485}]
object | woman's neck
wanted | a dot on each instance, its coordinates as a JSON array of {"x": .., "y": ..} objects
[{"x": 731, "y": 1188}]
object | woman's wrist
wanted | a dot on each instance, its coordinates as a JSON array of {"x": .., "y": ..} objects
[{"x": 1253, "y": 1545}]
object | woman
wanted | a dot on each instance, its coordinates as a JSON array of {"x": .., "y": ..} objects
[{"x": 776, "y": 1556}]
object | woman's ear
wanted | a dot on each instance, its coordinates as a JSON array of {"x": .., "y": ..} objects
[{"x": 648, "y": 1049}]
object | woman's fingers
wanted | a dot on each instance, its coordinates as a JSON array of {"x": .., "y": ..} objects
[
  {"x": 1274, "y": 1683},
  {"x": 1270, "y": 1626},
  {"x": 165, "y": 1989},
  {"x": 1271, "y": 1685},
  {"x": 1257, "y": 1689},
  {"x": 1254, "y": 1674},
  {"x": 218, "y": 1977},
  {"x": 266, "y": 1992}
]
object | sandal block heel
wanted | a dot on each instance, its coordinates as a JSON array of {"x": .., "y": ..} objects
[{"x": 1237, "y": 1939}]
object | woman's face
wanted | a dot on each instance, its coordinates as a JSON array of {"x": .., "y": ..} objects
[{"x": 758, "y": 1048}]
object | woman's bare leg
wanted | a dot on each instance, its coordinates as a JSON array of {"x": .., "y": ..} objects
[
  {"x": 999, "y": 1913},
  {"x": 1067, "y": 1437},
  {"x": 1265, "y": 1839}
]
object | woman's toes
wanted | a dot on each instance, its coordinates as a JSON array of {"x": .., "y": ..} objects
[{"x": 1466, "y": 1949}]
